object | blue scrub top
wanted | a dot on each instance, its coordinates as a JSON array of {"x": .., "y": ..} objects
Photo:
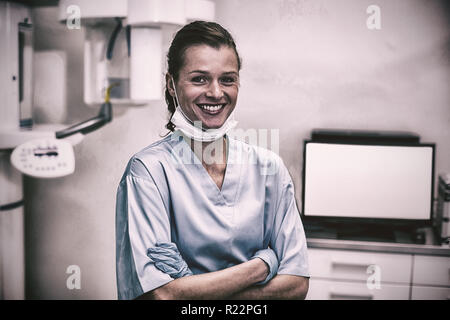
[{"x": 166, "y": 195}]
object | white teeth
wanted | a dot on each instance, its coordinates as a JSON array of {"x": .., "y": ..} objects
[{"x": 211, "y": 108}]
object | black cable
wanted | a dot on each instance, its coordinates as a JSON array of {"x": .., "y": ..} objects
[
  {"x": 12, "y": 205},
  {"x": 128, "y": 33},
  {"x": 112, "y": 39}
]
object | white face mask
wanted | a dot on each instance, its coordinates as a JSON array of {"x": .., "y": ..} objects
[{"x": 194, "y": 130}]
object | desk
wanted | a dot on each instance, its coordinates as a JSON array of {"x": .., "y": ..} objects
[
  {"x": 387, "y": 247},
  {"x": 344, "y": 269}
]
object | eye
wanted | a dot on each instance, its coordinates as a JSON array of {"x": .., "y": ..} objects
[
  {"x": 199, "y": 79},
  {"x": 228, "y": 80}
]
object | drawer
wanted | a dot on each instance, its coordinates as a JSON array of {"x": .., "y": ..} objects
[
  {"x": 354, "y": 265},
  {"x": 431, "y": 270},
  {"x": 320, "y": 289},
  {"x": 430, "y": 293}
]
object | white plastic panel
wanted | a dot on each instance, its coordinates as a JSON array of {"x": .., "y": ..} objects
[
  {"x": 9, "y": 139},
  {"x": 93, "y": 9},
  {"x": 429, "y": 270},
  {"x": 50, "y": 86},
  {"x": 99, "y": 72},
  {"x": 200, "y": 10},
  {"x": 153, "y": 12},
  {"x": 145, "y": 64}
]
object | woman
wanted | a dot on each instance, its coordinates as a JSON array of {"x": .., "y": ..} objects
[{"x": 199, "y": 215}]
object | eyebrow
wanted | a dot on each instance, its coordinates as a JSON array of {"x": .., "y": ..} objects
[{"x": 206, "y": 72}]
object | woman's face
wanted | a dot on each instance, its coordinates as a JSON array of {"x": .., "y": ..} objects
[{"x": 208, "y": 84}]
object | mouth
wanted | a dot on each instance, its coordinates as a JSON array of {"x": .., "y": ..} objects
[{"x": 211, "y": 109}]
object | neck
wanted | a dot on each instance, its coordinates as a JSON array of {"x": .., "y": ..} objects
[{"x": 211, "y": 153}]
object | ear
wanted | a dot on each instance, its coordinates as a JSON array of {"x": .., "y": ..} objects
[{"x": 169, "y": 84}]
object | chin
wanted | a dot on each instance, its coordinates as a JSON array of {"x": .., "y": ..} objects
[
  {"x": 205, "y": 126},
  {"x": 213, "y": 124}
]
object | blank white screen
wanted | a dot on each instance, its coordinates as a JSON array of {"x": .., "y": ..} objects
[{"x": 364, "y": 181}]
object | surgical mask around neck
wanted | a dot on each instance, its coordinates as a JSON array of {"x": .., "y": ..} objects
[{"x": 194, "y": 130}]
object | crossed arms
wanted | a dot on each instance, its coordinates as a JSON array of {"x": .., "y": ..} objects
[{"x": 242, "y": 281}]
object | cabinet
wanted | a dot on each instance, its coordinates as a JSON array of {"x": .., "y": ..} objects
[
  {"x": 429, "y": 270},
  {"x": 431, "y": 278},
  {"x": 349, "y": 274},
  {"x": 430, "y": 293},
  {"x": 327, "y": 289}
]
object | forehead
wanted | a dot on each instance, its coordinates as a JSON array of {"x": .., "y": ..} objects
[{"x": 207, "y": 58}]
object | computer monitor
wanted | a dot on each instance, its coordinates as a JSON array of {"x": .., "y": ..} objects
[{"x": 368, "y": 182}]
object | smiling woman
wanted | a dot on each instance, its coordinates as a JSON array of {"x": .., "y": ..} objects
[
  {"x": 208, "y": 84},
  {"x": 203, "y": 55},
  {"x": 191, "y": 228}
]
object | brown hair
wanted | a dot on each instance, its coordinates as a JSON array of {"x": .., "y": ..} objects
[{"x": 194, "y": 33}]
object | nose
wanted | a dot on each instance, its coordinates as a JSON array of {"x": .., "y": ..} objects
[{"x": 214, "y": 91}]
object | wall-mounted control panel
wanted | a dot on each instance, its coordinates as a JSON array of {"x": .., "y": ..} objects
[{"x": 44, "y": 158}]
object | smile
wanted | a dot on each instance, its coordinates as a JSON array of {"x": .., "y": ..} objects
[{"x": 211, "y": 108}]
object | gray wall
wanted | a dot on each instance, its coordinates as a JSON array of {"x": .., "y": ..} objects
[{"x": 306, "y": 64}]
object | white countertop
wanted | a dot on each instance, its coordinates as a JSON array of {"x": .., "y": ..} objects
[{"x": 389, "y": 247}]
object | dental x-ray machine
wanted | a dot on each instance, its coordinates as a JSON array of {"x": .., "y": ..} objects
[{"x": 122, "y": 65}]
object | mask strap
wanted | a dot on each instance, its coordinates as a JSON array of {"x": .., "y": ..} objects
[
  {"x": 175, "y": 99},
  {"x": 177, "y": 103}
]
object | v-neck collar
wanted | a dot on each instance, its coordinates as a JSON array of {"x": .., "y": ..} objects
[{"x": 231, "y": 181}]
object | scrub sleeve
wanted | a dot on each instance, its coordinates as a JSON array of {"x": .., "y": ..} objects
[
  {"x": 288, "y": 236},
  {"x": 142, "y": 220}
]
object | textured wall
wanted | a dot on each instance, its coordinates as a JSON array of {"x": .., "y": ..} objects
[
  {"x": 306, "y": 64},
  {"x": 314, "y": 64}
]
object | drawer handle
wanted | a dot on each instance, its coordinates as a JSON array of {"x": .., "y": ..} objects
[
  {"x": 349, "y": 296},
  {"x": 350, "y": 264}
]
